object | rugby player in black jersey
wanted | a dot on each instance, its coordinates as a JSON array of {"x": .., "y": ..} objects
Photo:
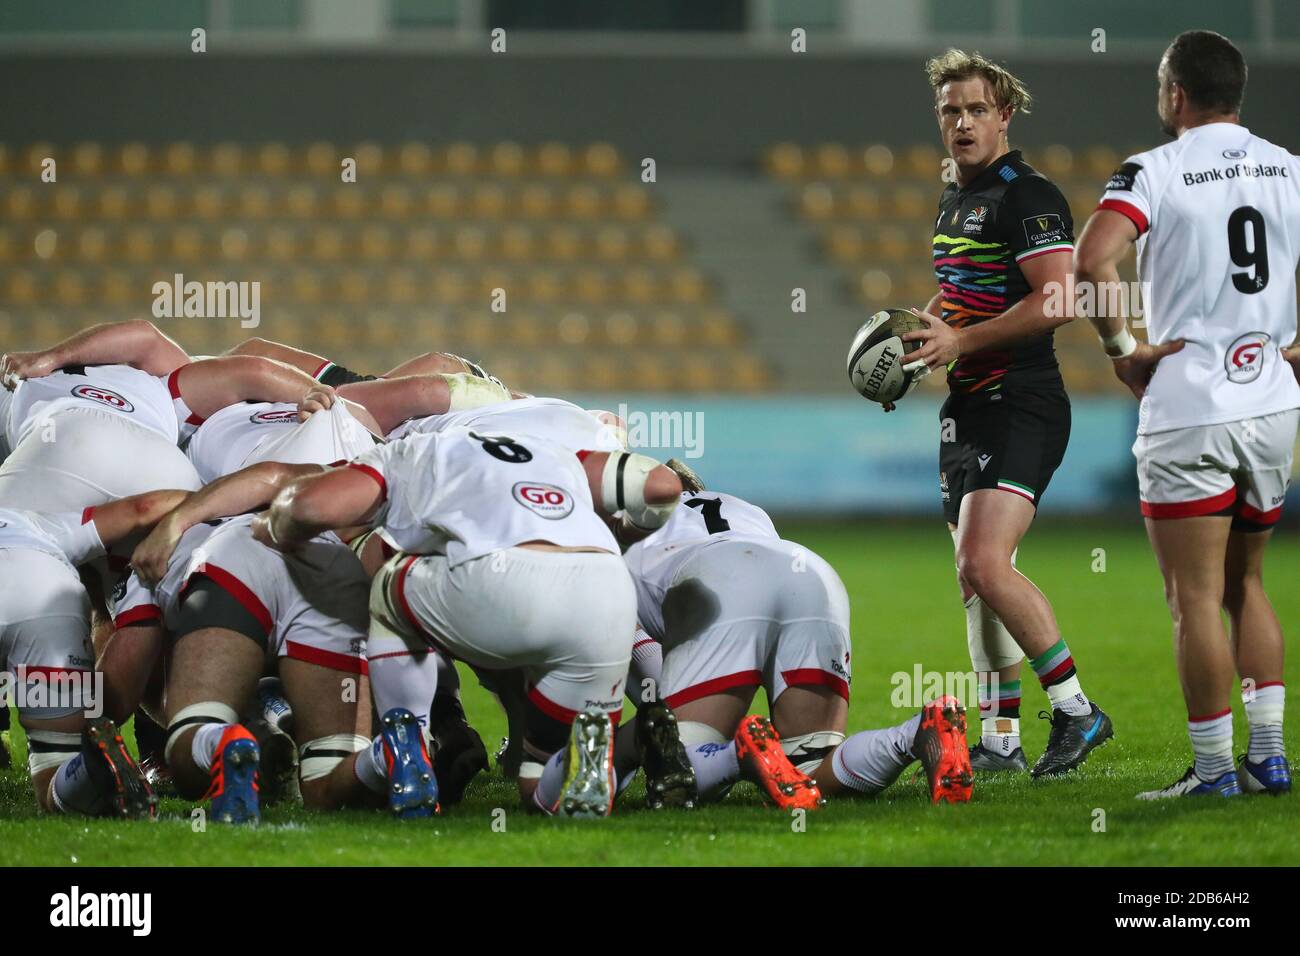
[{"x": 1003, "y": 241}]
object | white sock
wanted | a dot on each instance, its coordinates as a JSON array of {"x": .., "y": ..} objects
[
  {"x": 547, "y": 794},
  {"x": 203, "y": 748},
  {"x": 73, "y": 789},
  {"x": 870, "y": 761},
  {"x": 1069, "y": 697},
  {"x": 1264, "y": 716},
  {"x": 400, "y": 676},
  {"x": 1212, "y": 744},
  {"x": 1000, "y": 735},
  {"x": 716, "y": 767},
  {"x": 646, "y": 669},
  {"x": 371, "y": 768}
]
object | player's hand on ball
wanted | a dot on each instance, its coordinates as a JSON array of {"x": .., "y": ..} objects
[
  {"x": 941, "y": 342},
  {"x": 152, "y": 554},
  {"x": 16, "y": 366},
  {"x": 317, "y": 399},
  {"x": 1135, "y": 370}
]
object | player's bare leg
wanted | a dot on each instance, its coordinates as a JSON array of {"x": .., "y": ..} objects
[
  {"x": 81, "y": 766},
  {"x": 1192, "y": 556},
  {"x": 996, "y": 659},
  {"x": 1260, "y": 651},
  {"x": 991, "y": 526},
  {"x": 331, "y": 711},
  {"x": 214, "y": 672}
]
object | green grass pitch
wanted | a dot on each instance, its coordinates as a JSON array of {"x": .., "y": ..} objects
[{"x": 1114, "y": 620}]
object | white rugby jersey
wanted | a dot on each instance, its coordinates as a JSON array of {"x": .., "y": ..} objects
[
  {"x": 70, "y": 536},
  {"x": 1218, "y": 217},
  {"x": 465, "y": 493},
  {"x": 241, "y": 435},
  {"x": 133, "y": 602},
  {"x": 135, "y": 395},
  {"x": 700, "y": 519},
  {"x": 551, "y": 418}
]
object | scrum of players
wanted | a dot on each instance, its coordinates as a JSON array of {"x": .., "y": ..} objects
[{"x": 275, "y": 564}]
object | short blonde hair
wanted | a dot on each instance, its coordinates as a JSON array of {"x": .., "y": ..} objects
[{"x": 1008, "y": 91}]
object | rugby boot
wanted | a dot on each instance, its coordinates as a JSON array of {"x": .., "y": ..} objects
[
  {"x": 115, "y": 774},
  {"x": 758, "y": 749},
  {"x": 1271, "y": 775},
  {"x": 412, "y": 787},
  {"x": 234, "y": 786},
  {"x": 983, "y": 760},
  {"x": 940, "y": 745},
  {"x": 458, "y": 751},
  {"x": 1190, "y": 785},
  {"x": 669, "y": 777},
  {"x": 1071, "y": 740},
  {"x": 589, "y": 786}
]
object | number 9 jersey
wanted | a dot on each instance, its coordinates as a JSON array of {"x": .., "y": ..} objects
[
  {"x": 1218, "y": 218},
  {"x": 466, "y": 494}
]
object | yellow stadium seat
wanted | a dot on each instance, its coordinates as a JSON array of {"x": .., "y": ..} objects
[
  {"x": 517, "y": 242},
  {"x": 92, "y": 244},
  {"x": 544, "y": 286},
  {"x": 21, "y": 203},
  {"x": 370, "y": 161},
  {"x": 119, "y": 288},
  {"x": 36, "y": 155},
  {"x": 592, "y": 287},
  {"x": 537, "y": 201},
  {"x": 226, "y": 160},
  {"x": 348, "y": 202},
  {"x": 422, "y": 243},
  {"x": 255, "y": 202},
  {"x": 187, "y": 244},
  {"x": 88, "y": 159},
  {"x": 660, "y": 243},
  {"x": 376, "y": 243},
  {"x": 612, "y": 243},
  {"x": 563, "y": 243},
  {"x": 555, "y": 159},
  {"x": 160, "y": 202},
  {"x": 573, "y": 328},
  {"x": 583, "y": 202},
  {"x": 601, "y": 160},
  {"x": 327, "y": 244},
  {"x": 133, "y": 159},
  {"x": 322, "y": 158},
  {"x": 442, "y": 201},
  {"x": 863, "y": 202},
  {"x": 281, "y": 244},
  {"x": 234, "y": 244},
  {"x": 875, "y": 285},
  {"x": 354, "y": 287},
  {"x": 1100, "y": 162},
  {"x": 831, "y": 160},
  {"x": 489, "y": 201},
  {"x": 138, "y": 245},
  {"x": 69, "y": 288},
  {"x": 923, "y": 161},
  {"x": 1056, "y": 162},
  {"x": 401, "y": 287},
  {"x": 274, "y": 159},
  {"x": 844, "y": 243},
  {"x": 21, "y": 288},
  {"x": 471, "y": 243},
  {"x": 396, "y": 202},
  {"x": 912, "y": 202},
  {"x": 784, "y": 161},
  {"x": 179, "y": 159},
  {"x": 622, "y": 329},
  {"x": 415, "y": 159},
  {"x": 631, "y": 202},
  {"x": 461, "y": 159},
  {"x": 816, "y": 201},
  {"x": 506, "y": 160},
  {"x": 209, "y": 202},
  {"x": 877, "y": 161},
  {"x": 640, "y": 286},
  {"x": 668, "y": 329},
  {"x": 67, "y": 203}
]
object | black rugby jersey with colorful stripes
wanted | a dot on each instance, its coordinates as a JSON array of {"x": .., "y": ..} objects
[{"x": 985, "y": 230}]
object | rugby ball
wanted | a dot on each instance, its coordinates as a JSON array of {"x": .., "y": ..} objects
[{"x": 877, "y": 365}]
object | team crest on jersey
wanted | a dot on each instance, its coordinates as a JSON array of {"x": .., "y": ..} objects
[
  {"x": 975, "y": 219},
  {"x": 283, "y": 416},
  {"x": 545, "y": 501},
  {"x": 1244, "y": 360},
  {"x": 104, "y": 396}
]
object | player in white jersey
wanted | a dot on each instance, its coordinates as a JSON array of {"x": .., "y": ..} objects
[
  {"x": 85, "y": 434},
  {"x": 234, "y": 610},
  {"x": 505, "y": 561},
  {"x": 77, "y": 761},
  {"x": 737, "y": 607},
  {"x": 1214, "y": 217}
]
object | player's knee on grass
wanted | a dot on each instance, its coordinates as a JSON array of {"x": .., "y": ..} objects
[
  {"x": 326, "y": 773},
  {"x": 192, "y": 780}
]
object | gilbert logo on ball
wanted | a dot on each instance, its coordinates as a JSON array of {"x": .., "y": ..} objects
[
  {"x": 545, "y": 501},
  {"x": 876, "y": 363}
]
